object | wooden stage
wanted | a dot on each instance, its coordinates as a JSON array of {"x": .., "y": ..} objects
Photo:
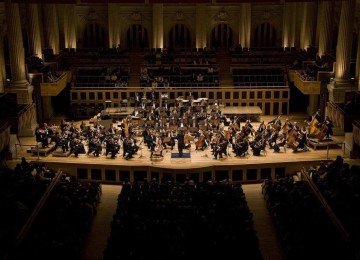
[
  {"x": 252, "y": 113},
  {"x": 201, "y": 165}
]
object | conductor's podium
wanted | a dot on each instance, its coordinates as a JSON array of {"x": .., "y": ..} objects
[{"x": 156, "y": 157}]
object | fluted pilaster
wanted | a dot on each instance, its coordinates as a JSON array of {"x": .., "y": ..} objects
[
  {"x": 344, "y": 43},
  {"x": 308, "y": 25},
  {"x": 245, "y": 25},
  {"x": 357, "y": 72},
  {"x": 34, "y": 30},
  {"x": 325, "y": 14},
  {"x": 16, "y": 48},
  {"x": 2, "y": 64},
  {"x": 158, "y": 27},
  {"x": 52, "y": 28},
  {"x": 287, "y": 25},
  {"x": 114, "y": 25},
  {"x": 69, "y": 26},
  {"x": 201, "y": 11}
]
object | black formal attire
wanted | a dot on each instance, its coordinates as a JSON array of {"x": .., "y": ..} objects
[{"x": 181, "y": 143}]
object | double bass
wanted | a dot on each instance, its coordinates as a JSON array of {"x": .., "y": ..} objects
[
  {"x": 322, "y": 132},
  {"x": 313, "y": 127}
]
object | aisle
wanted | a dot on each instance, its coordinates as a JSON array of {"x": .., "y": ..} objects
[
  {"x": 263, "y": 224},
  {"x": 96, "y": 239}
]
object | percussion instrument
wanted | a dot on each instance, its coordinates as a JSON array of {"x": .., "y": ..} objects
[
  {"x": 164, "y": 95},
  {"x": 185, "y": 101},
  {"x": 179, "y": 98}
]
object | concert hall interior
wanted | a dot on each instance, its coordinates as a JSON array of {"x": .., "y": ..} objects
[{"x": 190, "y": 126}]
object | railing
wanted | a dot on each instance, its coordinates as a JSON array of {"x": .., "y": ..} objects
[
  {"x": 38, "y": 208},
  {"x": 344, "y": 234}
]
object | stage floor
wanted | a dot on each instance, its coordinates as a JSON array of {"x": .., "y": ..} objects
[{"x": 198, "y": 158}]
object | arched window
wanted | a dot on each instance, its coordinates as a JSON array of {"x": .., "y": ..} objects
[
  {"x": 94, "y": 36},
  {"x": 179, "y": 36},
  {"x": 221, "y": 36},
  {"x": 265, "y": 36},
  {"x": 137, "y": 37}
]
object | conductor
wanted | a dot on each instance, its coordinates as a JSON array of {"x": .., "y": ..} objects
[{"x": 181, "y": 142}]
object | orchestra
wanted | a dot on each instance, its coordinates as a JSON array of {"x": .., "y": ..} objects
[{"x": 161, "y": 126}]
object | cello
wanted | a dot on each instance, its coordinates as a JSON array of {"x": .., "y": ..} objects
[
  {"x": 200, "y": 143},
  {"x": 322, "y": 132}
]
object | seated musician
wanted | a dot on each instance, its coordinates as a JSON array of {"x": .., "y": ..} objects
[
  {"x": 287, "y": 125},
  {"x": 302, "y": 138},
  {"x": 112, "y": 146},
  {"x": 168, "y": 135},
  {"x": 220, "y": 149},
  {"x": 157, "y": 147},
  {"x": 273, "y": 137},
  {"x": 241, "y": 146},
  {"x": 76, "y": 146},
  {"x": 258, "y": 146},
  {"x": 61, "y": 141},
  {"x": 280, "y": 143},
  {"x": 130, "y": 148},
  {"x": 95, "y": 146}
]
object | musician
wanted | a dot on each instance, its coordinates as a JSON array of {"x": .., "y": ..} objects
[
  {"x": 112, "y": 146},
  {"x": 42, "y": 137},
  {"x": 281, "y": 143},
  {"x": 181, "y": 142},
  {"x": 302, "y": 138},
  {"x": 112, "y": 130},
  {"x": 273, "y": 137},
  {"x": 130, "y": 148},
  {"x": 61, "y": 141},
  {"x": 220, "y": 149},
  {"x": 316, "y": 115},
  {"x": 76, "y": 146},
  {"x": 158, "y": 146},
  {"x": 169, "y": 134},
  {"x": 328, "y": 122},
  {"x": 95, "y": 146},
  {"x": 287, "y": 125},
  {"x": 137, "y": 100},
  {"x": 241, "y": 146},
  {"x": 276, "y": 121}
]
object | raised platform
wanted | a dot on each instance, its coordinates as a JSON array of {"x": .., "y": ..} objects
[
  {"x": 252, "y": 113},
  {"x": 326, "y": 143}
]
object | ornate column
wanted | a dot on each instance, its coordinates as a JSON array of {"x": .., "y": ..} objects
[
  {"x": 342, "y": 81},
  {"x": 19, "y": 83},
  {"x": 357, "y": 70},
  {"x": 325, "y": 15},
  {"x": 308, "y": 24},
  {"x": 34, "y": 30},
  {"x": 201, "y": 27},
  {"x": 245, "y": 25},
  {"x": 70, "y": 25},
  {"x": 287, "y": 25},
  {"x": 2, "y": 63},
  {"x": 52, "y": 27},
  {"x": 114, "y": 25},
  {"x": 158, "y": 27}
]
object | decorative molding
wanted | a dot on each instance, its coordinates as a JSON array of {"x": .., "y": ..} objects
[
  {"x": 179, "y": 16},
  {"x": 135, "y": 16}
]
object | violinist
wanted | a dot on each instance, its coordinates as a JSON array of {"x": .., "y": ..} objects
[
  {"x": 241, "y": 146},
  {"x": 95, "y": 146},
  {"x": 158, "y": 147},
  {"x": 273, "y": 137},
  {"x": 220, "y": 148}
]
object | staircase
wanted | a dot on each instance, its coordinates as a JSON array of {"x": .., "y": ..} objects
[
  {"x": 136, "y": 60},
  {"x": 223, "y": 58}
]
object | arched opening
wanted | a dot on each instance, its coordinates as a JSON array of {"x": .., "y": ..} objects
[
  {"x": 94, "y": 36},
  {"x": 137, "y": 37},
  {"x": 221, "y": 36},
  {"x": 179, "y": 36}
]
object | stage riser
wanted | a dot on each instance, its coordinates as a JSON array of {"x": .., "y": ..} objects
[
  {"x": 118, "y": 174},
  {"x": 272, "y": 101}
]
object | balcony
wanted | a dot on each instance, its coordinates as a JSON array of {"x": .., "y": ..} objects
[
  {"x": 52, "y": 89},
  {"x": 305, "y": 86}
]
